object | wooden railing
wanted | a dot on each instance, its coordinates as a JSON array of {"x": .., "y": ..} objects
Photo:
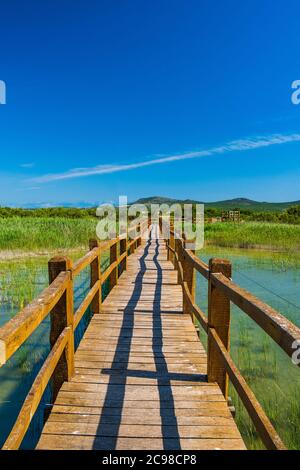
[
  {"x": 57, "y": 300},
  {"x": 221, "y": 292}
]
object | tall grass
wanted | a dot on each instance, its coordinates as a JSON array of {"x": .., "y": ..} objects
[
  {"x": 254, "y": 235},
  {"x": 30, "y": 234},
  {"x": 50, "y": 233}
]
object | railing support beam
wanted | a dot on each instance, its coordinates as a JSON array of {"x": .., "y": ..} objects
[
  {"x": 123, "y": 249},
  {"x": 113, "y": 256},
  {"x": 96, "y": 276},
  {"x": 189, "y": 276},
  {"x": 171, "y": 255},
  {"x": 219, "y": 320},
  {"x": 62, "y": 316}
]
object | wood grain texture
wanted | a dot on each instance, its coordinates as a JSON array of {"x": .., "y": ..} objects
[{"x": 140, "y": 372}]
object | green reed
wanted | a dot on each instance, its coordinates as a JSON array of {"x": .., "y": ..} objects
[{"x": 284, "y": 237}]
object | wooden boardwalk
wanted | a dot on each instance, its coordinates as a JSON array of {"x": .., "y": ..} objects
[{"x": 140, "y": 372}]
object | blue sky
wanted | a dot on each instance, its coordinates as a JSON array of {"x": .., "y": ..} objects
[{"x": 97, "y": 88}]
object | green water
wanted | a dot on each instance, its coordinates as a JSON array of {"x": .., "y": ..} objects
[{"x": 270, "y": 373}]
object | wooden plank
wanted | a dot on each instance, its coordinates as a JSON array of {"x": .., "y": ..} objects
[
  {"x": 214, "y": 409},
  {"x": 175, "y": 380},
  {"x": 149, "y": 392},
  {"x": 229, "y": 431},
  {"x": 62, "y": 442},
  {"x": 140, "y": 419}
]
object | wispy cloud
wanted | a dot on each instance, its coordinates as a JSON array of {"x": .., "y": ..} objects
[
  {"x": 233, "y": 146},
  {"x": 27, "y": 165},
  {"x": 31, "y": 188}
]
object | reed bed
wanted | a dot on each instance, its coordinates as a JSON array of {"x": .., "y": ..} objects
[
  {"x": 264, "y": 235},
  {"x": 31, "y": 234},
  {"x": 50, "y": 233}
]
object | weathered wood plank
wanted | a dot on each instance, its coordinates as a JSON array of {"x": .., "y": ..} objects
[
  {"x": 62, "y": 442},
  {"x": 144, "y": 431}
]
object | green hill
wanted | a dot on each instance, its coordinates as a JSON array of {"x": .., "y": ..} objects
[{"x": 237, "y": 203}]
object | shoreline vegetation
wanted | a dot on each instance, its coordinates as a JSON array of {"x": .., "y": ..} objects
[
  {"x": 268, "y": 236},
  {"x": 34, "y": 236}
]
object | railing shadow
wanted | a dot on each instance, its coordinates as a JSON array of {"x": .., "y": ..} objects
[{"x": 163, "y": 381}]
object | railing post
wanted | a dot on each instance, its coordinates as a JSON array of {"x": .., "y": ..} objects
[
  {"x": 179, "y": 251},
  {"x": 167, "y": 240},
  {"x": 123, "y": 249},
  {"x": 113, "y": 256},
  {"x": 189, "y": 276},
  {"x": 160, "y": 223},
  {"x": 131, "y": 241},
  {"x": 172, "y": 244},
  {"x": 219, "y": 319},
  {"x": 176, "y": 255},
  {"x": 62, "y": 316},
  {"x": 96, "y": 276},
  {"x": 144, "y": 228},
  {"x": 139, "y": 240}
]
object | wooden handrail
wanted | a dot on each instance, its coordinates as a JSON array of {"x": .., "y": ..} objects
[
  {"x": 195, "y": 309},
  {"x": 57, "y": 299},
  {"x": 108, "y": 271},
  {"x": 15, "y": 332},
  {"x": 278, "y": 327},
  {"x": 85, "y": 261},
  {"x": 35, "y": 394},
  {"x": 86, "y": 303},
  {"x": 220, "y": 363},
  {"x": 198, "y": 264}
]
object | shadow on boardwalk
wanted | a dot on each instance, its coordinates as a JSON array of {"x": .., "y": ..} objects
[{"x": 113, "y": 404}]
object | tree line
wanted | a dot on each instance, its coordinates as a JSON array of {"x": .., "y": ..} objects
[{"x": 289, "y": 216}]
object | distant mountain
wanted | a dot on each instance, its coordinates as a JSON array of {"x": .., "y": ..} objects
[
  {"x": 237, "y": 203},
  {"x": 164, "y": 200},
  {"x": 46, "y": 205}
]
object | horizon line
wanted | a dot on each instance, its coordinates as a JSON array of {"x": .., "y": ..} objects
[{"x": 91, "y": 205}]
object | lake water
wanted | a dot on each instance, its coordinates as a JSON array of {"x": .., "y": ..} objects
[{"x": 269, "y": 372}]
